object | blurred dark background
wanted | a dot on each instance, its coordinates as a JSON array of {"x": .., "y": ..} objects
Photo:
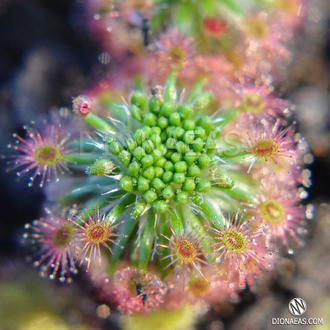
[{"x": 47, "y": 56}]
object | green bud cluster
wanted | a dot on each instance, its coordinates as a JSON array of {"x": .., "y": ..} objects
[
  {"x": 165, "y": 158},
  {"x": 222, "y": 178},
  {"x": 101, "y": 167}
]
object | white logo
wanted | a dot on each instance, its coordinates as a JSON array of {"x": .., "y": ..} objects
[{"x": 297, "y": 306}]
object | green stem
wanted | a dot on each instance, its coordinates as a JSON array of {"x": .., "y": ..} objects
[
  {"x": 127, "y": 230},
  {"x": 99, "y": 202},
  {"x": 169, "y": 90},
  {"x": 228, "y": 116},
  {"x": 239, "y": 194},
  {"x": 196, "y": 89},
  {"x": 120, "y": 208},
  {"x": 163, "y": 228},
  {"x": 240, "y": 152},
  {"x": 197, "y": 223},
  {"x": 147, "y": 240},
  {"x": 98, "y": 122},
  {"x": 81, "y": 158},
  {"x": 82, "y": 145},
  {"x": 76, "y": 194},
  {"x": 115, "y": 110},
  {"x": 232, "y": 5},
  {"x": 176, "y": 224},
  {"x": 138, "y": 84},
  {"x": 107, "y": 101},
  {"x": 206, "y": 208}
]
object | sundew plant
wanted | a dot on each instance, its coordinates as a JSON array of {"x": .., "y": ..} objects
[{"x": 187, "y": 189}]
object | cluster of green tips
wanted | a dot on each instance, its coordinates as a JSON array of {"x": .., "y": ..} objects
[{"x": 168, "y": 158}]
